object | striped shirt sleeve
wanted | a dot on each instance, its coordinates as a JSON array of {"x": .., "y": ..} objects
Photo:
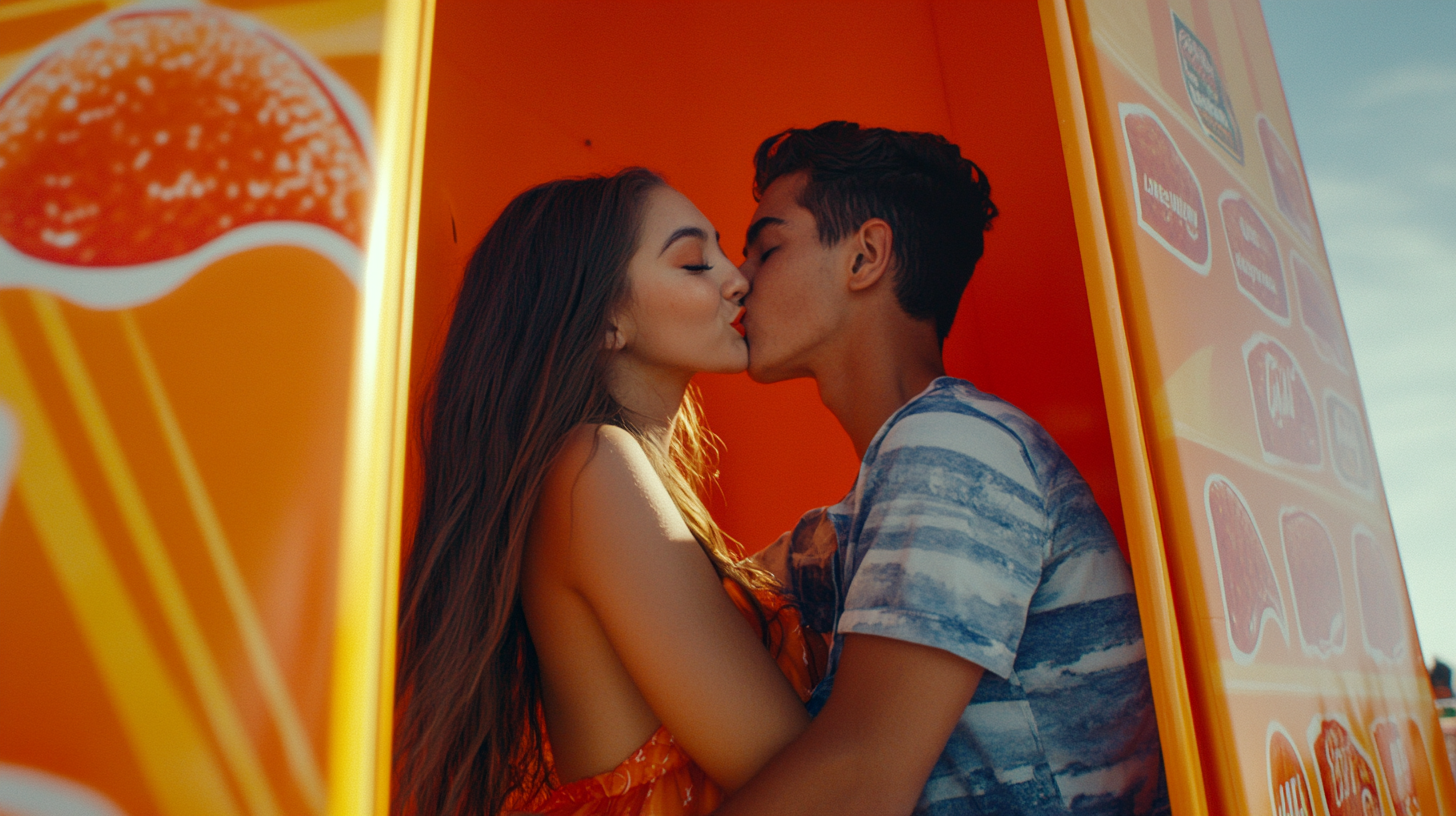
[{"x": 953, "y": 536}]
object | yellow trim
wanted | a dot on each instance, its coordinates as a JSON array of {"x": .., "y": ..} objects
[
  {"x": 316, "y": 15},
  {"x": 361, "y": 717},
  {"x": 34, "y": 8},
  {"x": 1151, "y": 576},
  {"x": 296, "y": 748},
  {"x": 1322, "y": 683},
  {"x": 238, "y": 750},
  {"x": 176, "y": 759}
]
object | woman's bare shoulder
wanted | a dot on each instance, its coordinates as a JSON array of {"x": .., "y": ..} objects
[
  {"x": 604, "y": 502},
  {"x": 601, "y": 478},
  {"x": 595, "y": 456}
]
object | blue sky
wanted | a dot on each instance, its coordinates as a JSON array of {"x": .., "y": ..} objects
[{"x": 1372, "y": 90}]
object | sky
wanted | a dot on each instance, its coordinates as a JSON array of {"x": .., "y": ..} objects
[{"x": 1372, "y": 90}]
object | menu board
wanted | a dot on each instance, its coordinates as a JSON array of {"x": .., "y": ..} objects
[
  {"x": 1305, "y": 674},
  {"x": 183, "y": 199}
]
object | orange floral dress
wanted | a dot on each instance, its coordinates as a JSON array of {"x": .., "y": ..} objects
[{"x": 660, "y": 779}]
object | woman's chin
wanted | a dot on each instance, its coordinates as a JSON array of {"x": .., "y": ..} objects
[{"x": 735, "y": 364}]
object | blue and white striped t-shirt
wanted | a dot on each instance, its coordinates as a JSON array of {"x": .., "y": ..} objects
[{"x": 969, "y": 530}]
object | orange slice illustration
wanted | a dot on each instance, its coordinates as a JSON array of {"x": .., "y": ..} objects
[
  {"x": 1245, "y": 572},
  {"x": 155, "y": 140},
  {"x": 1314, "y": 582},
  {"x": 1379, "y": 586}
]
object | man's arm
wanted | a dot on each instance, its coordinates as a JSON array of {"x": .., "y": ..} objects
[{"x": 870, "y": 751}]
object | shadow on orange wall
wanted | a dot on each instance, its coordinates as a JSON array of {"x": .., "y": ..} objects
[{"x": 523, "y": 92}]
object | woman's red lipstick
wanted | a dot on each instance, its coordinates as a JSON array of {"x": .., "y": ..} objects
[{"x": 737, "y": 323}]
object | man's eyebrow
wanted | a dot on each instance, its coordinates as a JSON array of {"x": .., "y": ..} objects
[
  {"x": 757, "y": 227},
  {"x": 683, "y": 232}
]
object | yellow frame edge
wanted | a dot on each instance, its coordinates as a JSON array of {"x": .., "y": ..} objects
[
  {"x": 1134, "y": 474},
  {"x": 362, "y": 689}
]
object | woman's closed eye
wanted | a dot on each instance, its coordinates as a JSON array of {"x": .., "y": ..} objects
[{"x": 701, "y": 267}]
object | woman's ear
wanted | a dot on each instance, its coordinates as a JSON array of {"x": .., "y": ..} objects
[
  {"x": 871, "y": 245},
  {"x": 615, "y": 339}
]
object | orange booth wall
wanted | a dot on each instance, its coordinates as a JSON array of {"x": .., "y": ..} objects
[{"x": 524, "y": 92}]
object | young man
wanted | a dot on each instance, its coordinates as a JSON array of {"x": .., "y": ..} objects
[{"x": 987, "y": 653}]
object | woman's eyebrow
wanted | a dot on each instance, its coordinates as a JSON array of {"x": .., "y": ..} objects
[{"x": 684, "y": 232}]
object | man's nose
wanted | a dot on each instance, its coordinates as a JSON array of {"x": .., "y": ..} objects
[
  {"x": 737, "y": 285},
  {"x": 747, "y": 268}
]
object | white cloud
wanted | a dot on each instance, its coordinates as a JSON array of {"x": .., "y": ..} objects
[
  {"x": 1383, "y": 177},
  {"x": 1406, "y": 83}
]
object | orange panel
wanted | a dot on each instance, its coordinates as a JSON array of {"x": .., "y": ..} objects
[
  {"x": 525, "y": 92},
  {"x": 180, "y": 275},
  {"x": 1305, "y": 673}
]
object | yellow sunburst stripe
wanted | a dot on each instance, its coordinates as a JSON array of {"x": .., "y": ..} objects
[
  {"x": 324, "y": 27},
  {"x": 175, "y": 758},
  {"x": 238, "y": 751},
  {"x": 313, "y": 14},
  {"x": 33, "y": 8},
  {"x": 301, "y": 760},
  {"x": 362, "y": 699}
]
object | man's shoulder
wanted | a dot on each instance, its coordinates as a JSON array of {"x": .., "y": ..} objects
[{"x": 953, "y": 423}]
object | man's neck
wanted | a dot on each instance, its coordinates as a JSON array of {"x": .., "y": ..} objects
[{"x": 871, "y": 378}]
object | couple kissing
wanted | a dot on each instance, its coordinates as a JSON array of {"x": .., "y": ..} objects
[{"x": 958, "y": 635}]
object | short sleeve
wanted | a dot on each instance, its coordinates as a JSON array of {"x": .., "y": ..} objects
[{"x": 952, "y": 533}]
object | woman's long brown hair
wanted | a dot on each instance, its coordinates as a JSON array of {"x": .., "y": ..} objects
[{"x": 521, "y": 367}]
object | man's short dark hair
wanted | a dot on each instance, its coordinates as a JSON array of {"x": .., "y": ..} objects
[{"x": 937, "y": 203}]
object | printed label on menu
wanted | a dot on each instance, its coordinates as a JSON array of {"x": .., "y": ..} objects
[
  {"x": 1380, "y": 589},
  {"x": 1255, "y": 254},
  {"x": 1349, "y": 444},
  {"x": 1245, "y": 571},
  {"x": 1291, "y": 194},
  {"x": 1288, "y": 785},
  {"x": 1314, "y": 582},
  {"x": 1319, "y": 314},
  {"x": 153, "y": 141},
  {"x": 1283, "y": 407},
  {"x": 1206, "y": 92},
  {"x": 1169, "y": 199},
  {"x": 1403, "y": 764},
  {"x": 1347, "y": 779}
]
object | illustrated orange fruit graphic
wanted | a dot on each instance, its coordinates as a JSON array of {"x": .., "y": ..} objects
[
  {"x": 1250, "y": 591},
  {"x": 1314, "y": 578},
  {"x": 149, "y": 134}
]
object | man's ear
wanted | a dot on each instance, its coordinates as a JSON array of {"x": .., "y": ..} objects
[{"x": 871, "y": 245}]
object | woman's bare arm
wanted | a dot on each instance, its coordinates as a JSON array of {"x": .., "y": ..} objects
[{"x": 688, "y": 650}]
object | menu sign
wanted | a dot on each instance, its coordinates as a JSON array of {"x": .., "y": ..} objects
[
  {"x": 1290, "y": 598},
  {"x": 1288, "y": 784},
  {"x": 1205, "y": 90},
  {"x": 1169, "y": 199},
  {"x": 183, "y": 202},
  {"x": 1255, "y": 254}
]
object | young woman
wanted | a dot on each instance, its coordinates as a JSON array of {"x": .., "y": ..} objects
[{"x": 566, "y": 640}]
